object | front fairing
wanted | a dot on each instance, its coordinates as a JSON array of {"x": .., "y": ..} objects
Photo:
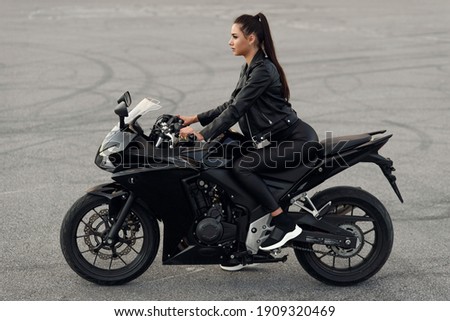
[{"x": 117, "y": 140}]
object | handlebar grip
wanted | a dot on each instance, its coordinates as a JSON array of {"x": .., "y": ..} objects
[{"x": 192, "y": 138}]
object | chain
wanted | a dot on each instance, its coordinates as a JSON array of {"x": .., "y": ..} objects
[{"x": 330, "y": 253}]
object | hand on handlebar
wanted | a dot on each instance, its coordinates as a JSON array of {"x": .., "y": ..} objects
[
  {"x": 186, "y": 131},
  {"x": 188, "y": 120}
]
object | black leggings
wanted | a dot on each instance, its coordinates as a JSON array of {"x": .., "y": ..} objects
[{"x": 285, "y": 151}]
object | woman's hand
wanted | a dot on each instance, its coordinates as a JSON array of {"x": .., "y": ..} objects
[
  {"x": 186, "y": 131},
  {"x": 188, "y": 120}
]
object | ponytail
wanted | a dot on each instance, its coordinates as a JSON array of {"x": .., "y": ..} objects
[{"x": 259, "y": 25}]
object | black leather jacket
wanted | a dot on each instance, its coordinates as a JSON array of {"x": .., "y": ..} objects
[{"x": 257, "y": 103}]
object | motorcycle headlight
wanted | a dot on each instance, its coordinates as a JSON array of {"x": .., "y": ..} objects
[
  {"x": 102, "y": 160},
  {"x": 110, "y": 149}
]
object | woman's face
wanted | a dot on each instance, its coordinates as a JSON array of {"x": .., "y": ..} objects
[{"x": 240, "y": 45}]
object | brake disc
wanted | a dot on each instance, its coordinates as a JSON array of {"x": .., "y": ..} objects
[{"x": 103, "y": 227}]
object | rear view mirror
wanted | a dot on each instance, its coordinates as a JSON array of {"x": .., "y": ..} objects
[
  {"x": 126, "y": 98},
  {"x": 121, "y": 110}
]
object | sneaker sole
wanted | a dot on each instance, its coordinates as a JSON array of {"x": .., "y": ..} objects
[
  {"x": 289, "y": 236},
  {"x": 236, "y": 267},
  {"x": 232, "y": 268}
]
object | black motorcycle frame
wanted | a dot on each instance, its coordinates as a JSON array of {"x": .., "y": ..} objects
[{"x": 156, "y": 175}]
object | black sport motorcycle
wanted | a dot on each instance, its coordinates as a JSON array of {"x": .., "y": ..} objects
[{"x": 111, "y": 235}]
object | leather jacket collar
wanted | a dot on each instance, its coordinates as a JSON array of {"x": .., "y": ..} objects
[{"x": 257, "y": 60}]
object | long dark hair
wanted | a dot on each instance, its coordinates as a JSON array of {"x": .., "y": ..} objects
[{"x": 259, "y": 25}]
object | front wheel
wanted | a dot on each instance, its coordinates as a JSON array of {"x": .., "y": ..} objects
[
  {"x": 365, "y": 216},
  {"x": 83, "y": 242}
]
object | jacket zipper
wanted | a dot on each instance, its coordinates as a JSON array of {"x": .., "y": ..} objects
[
  {"x": 248, "y": 123},
  {"x": 270, "y": 122}
]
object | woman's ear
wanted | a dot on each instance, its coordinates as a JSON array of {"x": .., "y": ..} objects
[{"x": 252, "y": 39}]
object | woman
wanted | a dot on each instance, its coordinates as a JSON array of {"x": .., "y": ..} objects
[{"x": 260, "y": 103}]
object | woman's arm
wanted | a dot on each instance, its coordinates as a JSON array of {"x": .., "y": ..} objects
[
  {"x": 257, "y": 83},
  {"x": 208, "y": 116}
]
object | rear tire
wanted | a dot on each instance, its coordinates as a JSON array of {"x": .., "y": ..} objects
[
  {"x": 84, "y": 229},
  {"x": 364, "y": 215}
]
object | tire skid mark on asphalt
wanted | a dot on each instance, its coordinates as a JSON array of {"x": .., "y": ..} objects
[
  {"x": 61, "y": 10},
  {"x": 107, "y": 75},
  {"x": 16, "y": 149},
  {"x": 327, "y": 77},
  {"x": 424, "y": 218},
  {"x": 24, "y": 190},
  {"x": 424, "y": 140},
  {"x": 208, "y": 72},
  {"x": 369, "y": 71},
  {"x": 343, "y": 94}
]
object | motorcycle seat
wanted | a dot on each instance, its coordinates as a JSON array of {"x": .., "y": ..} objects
[{"x": 334, "y": 145}]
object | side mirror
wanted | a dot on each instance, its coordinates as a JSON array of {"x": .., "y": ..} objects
[
  {"x": 121, "y": 110},
  {"x": 126, "y": 98}
]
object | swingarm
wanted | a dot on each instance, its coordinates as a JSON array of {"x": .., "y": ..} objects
[{"x": 322, "y": 232}]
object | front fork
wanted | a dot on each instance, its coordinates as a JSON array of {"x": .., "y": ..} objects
[{"x": 113, "y": 233}]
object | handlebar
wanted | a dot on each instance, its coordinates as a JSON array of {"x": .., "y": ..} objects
[{"x": 167, "y": 130}]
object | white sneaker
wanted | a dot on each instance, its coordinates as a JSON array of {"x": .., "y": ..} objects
[
  {"x": 235, "y": 267},
  {"x": 278, "y": 238}
]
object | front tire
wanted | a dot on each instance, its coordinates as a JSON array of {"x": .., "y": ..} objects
[
  {"x": 82, "y": 237},
  {"x": 365, "y": 216}
]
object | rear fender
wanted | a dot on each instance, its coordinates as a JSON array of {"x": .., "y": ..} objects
[{"x": 386, "y": 166}]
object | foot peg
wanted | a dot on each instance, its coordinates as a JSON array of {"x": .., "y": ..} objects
[{"x": 313, "y": 211}]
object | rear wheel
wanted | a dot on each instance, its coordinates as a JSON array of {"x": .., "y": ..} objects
[
  {"x": 363, "y": 215},
  {"x": 83, "y": 242}
]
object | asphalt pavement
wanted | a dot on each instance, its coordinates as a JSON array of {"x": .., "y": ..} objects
[{"x": 353, "y": 66}]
